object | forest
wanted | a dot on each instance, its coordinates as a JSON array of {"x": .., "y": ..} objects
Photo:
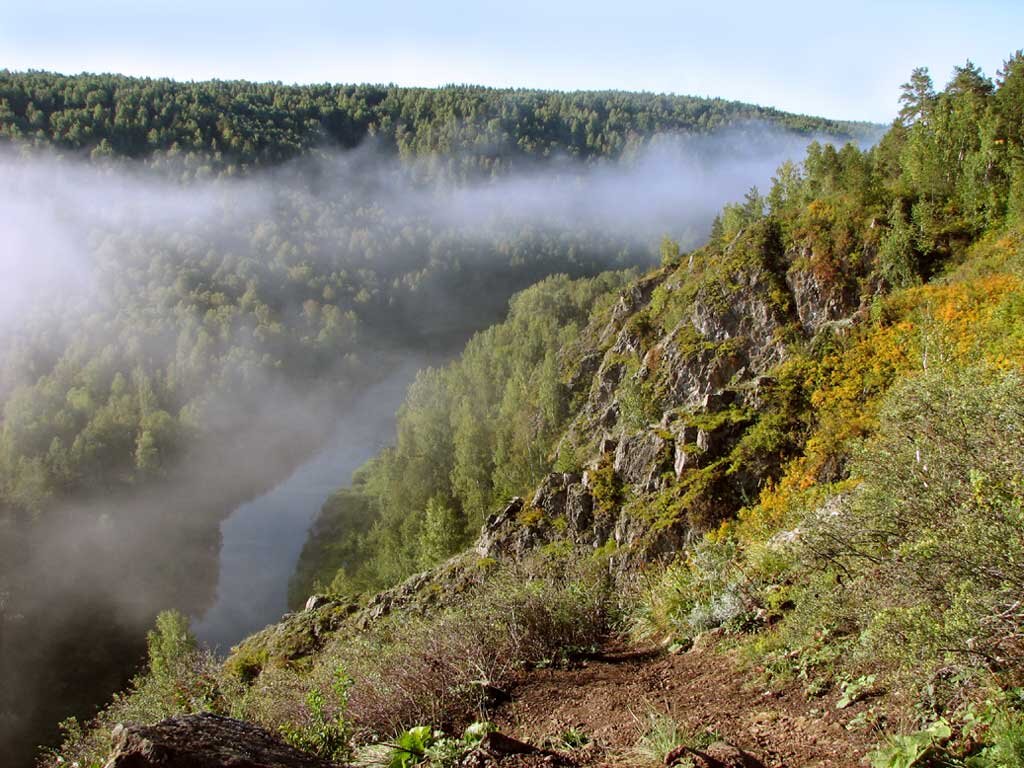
[
  {"x": 456, "y": 132},
  {"x": 338, "y": 263}
]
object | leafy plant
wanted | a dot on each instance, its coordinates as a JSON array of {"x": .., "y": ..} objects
[
  {"x": 410, "y": 748},
  {"x": 425, "y": 744},
  {"x": 913, "y": 749},
  {"x": 1001, "y": 729},
  {"x": 855, "y": 690},
  {"x": 324, "y": 733}
]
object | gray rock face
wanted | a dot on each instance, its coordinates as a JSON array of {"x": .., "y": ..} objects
[
  {"x": 496, "y": 526},
  {"x": 686, "y": 453},
  {"x": 694, "y": 377},
  {"x": 504, "y": 537},
  {"x": 818, "y": 304},
  {"x": 316, "y": 601},
  {"x": 564, "y": 497},
  {"x": 632, "y": 299},
  {"x": 551, "y": 496},
  {"x": 579, "y": 508},
  {"x": 205, "y": 741},
  {"x": 641, "y": 458}
]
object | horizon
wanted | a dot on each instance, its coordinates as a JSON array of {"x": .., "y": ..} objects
[{"x": 769, "y": 57}]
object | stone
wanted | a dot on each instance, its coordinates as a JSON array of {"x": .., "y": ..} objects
[
  {"x": 640, "y": 458},
  {"x": 716, "y": 401},
  {"x": 819, "y": 303},
  {"x": 720, "y": 754},
  {"x": 498, "y": 743},
  {"x": 316, "y": 601},
  {"x": 205, "y": 741},
  {"x": 685, "y": 438},
  {"x": 495, "y": 525},
  {"x": 579, "y": 508}
]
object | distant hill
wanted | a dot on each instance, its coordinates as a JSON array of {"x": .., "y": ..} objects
[{"x": 238, "y": 123}]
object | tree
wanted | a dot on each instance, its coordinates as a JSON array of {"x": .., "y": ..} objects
[
  {"x": 896, "y": 252},
  {"x": 918, "y": 94},
  {"x": 169, "y": 644},
  {"x": 443, "y": 532}
]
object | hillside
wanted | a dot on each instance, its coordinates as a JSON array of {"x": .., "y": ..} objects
[{"x": 789, "y": 461}]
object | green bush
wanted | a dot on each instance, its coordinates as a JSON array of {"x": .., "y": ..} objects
[
  {"x": 326, "y": 730},
  {"x": 921, "y": 561},
  {"x": 707, "y": 589}
]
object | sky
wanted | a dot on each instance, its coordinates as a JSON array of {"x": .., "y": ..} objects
[{"x": 838, "y": 60}]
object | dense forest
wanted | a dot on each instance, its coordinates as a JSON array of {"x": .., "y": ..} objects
[
  {"x": 802, "y": 439},
  {"x": 458, "y": 131},
  {"x": 202, "y": 274},
  {"x": 332, "y": 263}
]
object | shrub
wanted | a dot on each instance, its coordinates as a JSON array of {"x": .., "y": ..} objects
[
  {"x": 180, "y": 678},
  {"x": 439, "y": 667},
  {"x": 707, "y": 589},
  {"x": 919, "y": 560}
]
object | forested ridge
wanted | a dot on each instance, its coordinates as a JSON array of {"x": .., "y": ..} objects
[
  {"x": 330, "y": 268},
  {"x": 861, "y": 223},
  {"x": 225, "y": 127},
  {"x": 801, "y": 441}
]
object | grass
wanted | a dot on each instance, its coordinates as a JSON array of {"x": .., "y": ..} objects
[
  {"x": 660, "y": 735},
  {"x": 369, "y": 685}
]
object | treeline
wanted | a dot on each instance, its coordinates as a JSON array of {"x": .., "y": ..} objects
[
  {"x": 950, "y": 168},
  {"x": 225, "y": 127}
]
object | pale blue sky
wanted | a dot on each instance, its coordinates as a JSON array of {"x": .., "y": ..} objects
[{"x": 840, "y": 60}]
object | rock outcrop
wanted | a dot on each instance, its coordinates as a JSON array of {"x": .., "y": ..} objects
[{"x": 205, "y": 741}]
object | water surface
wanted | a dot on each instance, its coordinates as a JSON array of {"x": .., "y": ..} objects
[{"x": 263, "y": 538}]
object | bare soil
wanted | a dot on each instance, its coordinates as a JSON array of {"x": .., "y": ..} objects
[{"x": 610, "y": 699}]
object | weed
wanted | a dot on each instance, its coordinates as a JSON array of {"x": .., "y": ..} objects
[
  {"x": 324, "y": 733},
  {"x": 908, "y": 750},
  {"x": 572, "y": 738},
  {"x": 661, "y": 735}
]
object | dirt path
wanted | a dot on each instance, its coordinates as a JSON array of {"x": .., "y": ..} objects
[{"x": 610, "y": 699}]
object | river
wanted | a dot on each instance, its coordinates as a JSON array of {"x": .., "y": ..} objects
[
  {"x": 91, "y": 581},
  {"x": 263, "y": 538}
]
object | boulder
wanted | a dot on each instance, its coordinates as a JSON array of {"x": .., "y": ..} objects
[
  {"x": 316, "y": 601},
  {"x": 686, "y": 453},
  {"x": 205, "y": 741},
  {"x": 496, "y": 527}
]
